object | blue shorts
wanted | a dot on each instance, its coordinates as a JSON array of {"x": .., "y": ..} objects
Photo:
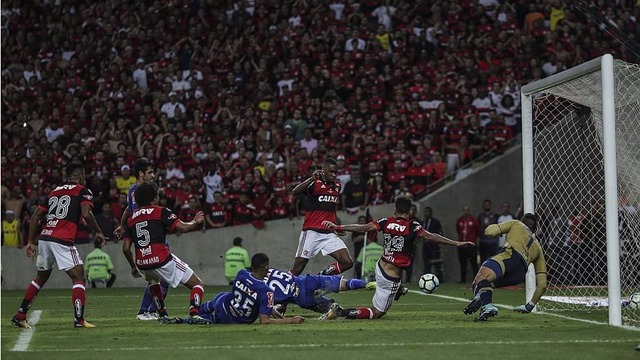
[
  {"x": 310, "y": 283},
  {"x": 509, "y": 266}
]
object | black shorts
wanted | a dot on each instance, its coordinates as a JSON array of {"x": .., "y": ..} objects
[{"x": 509, "y": 266}]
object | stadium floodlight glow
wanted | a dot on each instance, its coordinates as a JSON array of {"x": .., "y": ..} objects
[{"x": 581, "y": 175}]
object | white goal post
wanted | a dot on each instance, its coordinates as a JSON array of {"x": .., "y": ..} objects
[{"x": 581, "y": 175}]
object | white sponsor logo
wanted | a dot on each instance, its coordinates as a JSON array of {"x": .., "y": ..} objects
[
  {"x": 142, "y": 212},
  {"x": 394, "y": 226},
  {"x": 145, "y": 251},
  {"x": 328, "y": 198}
]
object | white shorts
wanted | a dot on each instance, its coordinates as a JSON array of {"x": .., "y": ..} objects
[
  {"x": 386, "y": 289},
  {"x": 49, "y": 252},
  {"x": 174, "y": 273},
  {"x": 312, "y": 242}
]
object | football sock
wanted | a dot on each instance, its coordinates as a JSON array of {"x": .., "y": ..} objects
[
  {"x": 359, "y": 313},
  {"x": 332, "y": 269},
  {"x": 147, "y": 304},
  {"x": 78, "y": 296},
  {"x": 485, "y": 290},
  {"x": 354, "y": 284},
  {"x": 146, "y": 301},
  {"x": 29, "y": 295},
  {"x": 207, "y": 307},
  {"x": 156, "y": 295},
  {"x": 197, "y": 293}
]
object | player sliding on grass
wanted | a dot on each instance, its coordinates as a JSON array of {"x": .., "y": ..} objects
[
  {"x": 147, "y": 228},
  {"x": 509, "y": 267},
  {"x": 307, "y": 291},
  {"x": 249, "y": 299},
  {"x": 399, "y": 235}
]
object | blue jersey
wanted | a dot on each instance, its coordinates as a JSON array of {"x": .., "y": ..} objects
[
  {"x": 248, "y": 298},
  {"x": 301, "y": 290},
  {"x": 131, "y": 201}
]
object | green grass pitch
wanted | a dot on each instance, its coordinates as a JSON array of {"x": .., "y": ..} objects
[{"x": 417, "y": 327}]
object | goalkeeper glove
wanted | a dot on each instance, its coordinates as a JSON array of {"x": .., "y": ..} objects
[{"x": 525, "y": 309}]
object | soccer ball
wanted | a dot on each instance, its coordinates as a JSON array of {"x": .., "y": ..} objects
[
  {"x": 428, "y": 283},
  {"x": 634, "y": 301}
]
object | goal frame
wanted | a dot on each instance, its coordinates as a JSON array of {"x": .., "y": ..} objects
[{"x": 604, "y": 64}]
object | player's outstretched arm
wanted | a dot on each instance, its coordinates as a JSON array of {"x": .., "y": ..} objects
[
  {"x": 359, "y": 228},
  {"x": 197, "y": 221},
  {"x": 300, "y": 188},
  {"x": 444, "y": 240},
  {"x": 541, "y": 287},
  {"x": 499, "y": 229},
  {"x": 265, "y": 320}
]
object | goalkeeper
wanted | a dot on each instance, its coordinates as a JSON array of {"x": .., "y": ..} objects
[{"x": 509, "y": 267}]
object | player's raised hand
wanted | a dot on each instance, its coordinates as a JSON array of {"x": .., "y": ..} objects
[
  {"x": 31, "y": 251},
  {"x": 317, "y": 174}
]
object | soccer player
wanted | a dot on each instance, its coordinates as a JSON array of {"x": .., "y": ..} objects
[
  {"x": 60, "y": 218},
  {"x": 509, "y": 267},
  {"x": 249, "y": 299},
  {"x": 399, "y": 234},
  {"x": 147, "y": 228},
  {"x": 307, "y": 291},
  {"x": 144, "y": 172},
  {"x": 323, "y": 193}
]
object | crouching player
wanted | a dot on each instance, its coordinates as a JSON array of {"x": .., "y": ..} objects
[
  {"x": 307, "y": 291},
  {"x": 147, "y": 228},
  {"x": 509, "y": 267},
  {"x": 400, "y": 234}
]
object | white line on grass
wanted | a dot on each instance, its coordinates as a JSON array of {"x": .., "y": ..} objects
[
  {"x": 626, "y": 327},
  {"x": 22, "y": 344},
  {"x": 333, "y": 345}
]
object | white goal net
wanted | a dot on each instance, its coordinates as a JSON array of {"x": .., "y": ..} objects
[{"x": 569, "y": 188}]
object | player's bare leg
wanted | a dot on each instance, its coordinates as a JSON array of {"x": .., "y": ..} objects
[
  {"x": 20, "y": 319},
  {"x": 298, "y": 266},
  {"x": 78, "y": 296},
  {"x": 343, "y": 263}
]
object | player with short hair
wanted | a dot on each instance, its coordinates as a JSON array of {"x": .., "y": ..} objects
[
  {"x": 399, "y": 233},
  {"x": 147, "y": 228},
  {"x": 249, "y": 299},
  {"x": 307, "y": 291},
  {"x": 509, "y": 267},
  {"x": 66, "y": 204},
  {"x": 144, "y": 172},
  {"x": 323, "y": 191}
]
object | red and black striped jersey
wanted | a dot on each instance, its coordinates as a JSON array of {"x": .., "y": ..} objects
[
  {"x": 147, "y": 228},
  {"x": 323, "y": 201},
  {"x": 63, "y": 213},
  {"x": 399, "y": 239}
]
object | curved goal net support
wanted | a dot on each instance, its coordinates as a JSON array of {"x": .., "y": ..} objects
[{"x": 581, "y": 175}]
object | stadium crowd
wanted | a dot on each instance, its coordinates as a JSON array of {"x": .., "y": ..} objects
[{"x": 237, "y": 101}]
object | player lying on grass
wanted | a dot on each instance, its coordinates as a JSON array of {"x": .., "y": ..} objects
[
  {"x": 509, "y": 267},
  {"x": 399, "y": 234},
  {"x": 307, "y": 291},
  {"x": 147, "y": 228},
  {"x": 249, "y": 299}
]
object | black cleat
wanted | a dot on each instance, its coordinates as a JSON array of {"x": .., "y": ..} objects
[
  {"x": 401, "y": 292},
  {"x": 474, "y": 305}
]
